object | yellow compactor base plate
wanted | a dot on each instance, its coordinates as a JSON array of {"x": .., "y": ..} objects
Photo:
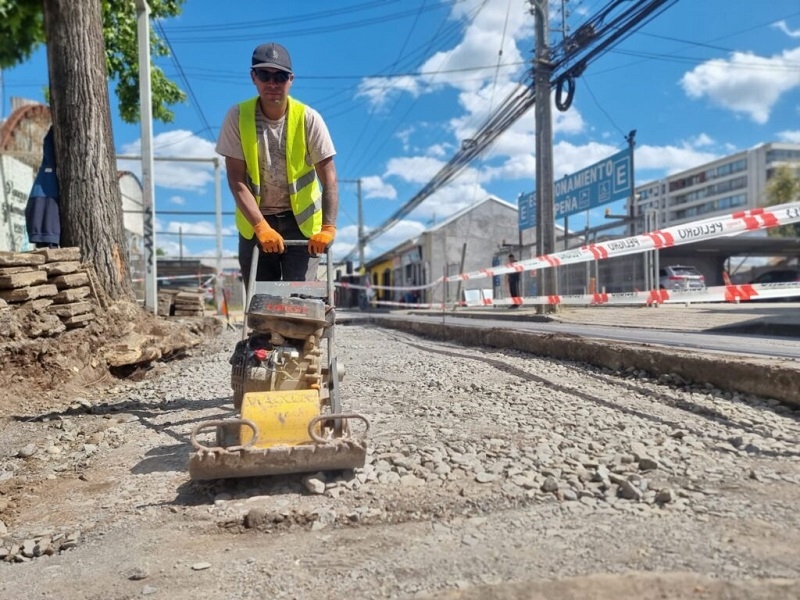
[{"x": 282, "y": 417}]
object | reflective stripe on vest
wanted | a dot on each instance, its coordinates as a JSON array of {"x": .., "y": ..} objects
[{"x": 304, "y": 192}]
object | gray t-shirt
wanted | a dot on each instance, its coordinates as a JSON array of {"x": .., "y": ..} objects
[{"x": 272, "y": 152}]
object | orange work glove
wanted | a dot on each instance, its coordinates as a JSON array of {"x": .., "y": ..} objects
[
  {"x": 319, "y": 241},
  {"x": 270, "y": 240}
]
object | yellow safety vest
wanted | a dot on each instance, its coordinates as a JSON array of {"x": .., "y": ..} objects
[{"x": 304, "y": 191}]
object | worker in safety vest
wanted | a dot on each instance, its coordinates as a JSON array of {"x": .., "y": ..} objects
[{"x": 277, "y": 153}]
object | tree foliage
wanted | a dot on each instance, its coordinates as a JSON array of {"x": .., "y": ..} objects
[
  {"x": 784, "y": 187},
  {"x": 22, "y": 32}
]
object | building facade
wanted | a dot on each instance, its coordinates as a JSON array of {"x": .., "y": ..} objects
[
  {"x": 724, "y": 186},
  {"x": 466, "y": 241}
]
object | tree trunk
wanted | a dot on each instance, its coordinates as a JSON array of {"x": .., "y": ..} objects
[{"x": 90, "y": 198}]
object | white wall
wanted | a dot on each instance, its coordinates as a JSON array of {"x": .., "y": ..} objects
[
  {"x": 16, "y": 181},
  {"x": 132, "y": 217}
]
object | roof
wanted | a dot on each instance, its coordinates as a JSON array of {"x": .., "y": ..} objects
[
  {"x": 467, "y": 209},
  {"x": 454, "y": 217}
]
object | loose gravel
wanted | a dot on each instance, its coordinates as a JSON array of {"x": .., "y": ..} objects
[{"x": 484, "y": 466}]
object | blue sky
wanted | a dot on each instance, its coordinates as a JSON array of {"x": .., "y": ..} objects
[{"x": 401, "y": 83}]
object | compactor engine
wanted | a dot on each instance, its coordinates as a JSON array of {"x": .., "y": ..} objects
[{"x": 284, "y": 350}]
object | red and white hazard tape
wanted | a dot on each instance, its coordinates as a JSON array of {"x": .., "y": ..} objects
[
  {"x": 706, "y": 229},
  {"x": 722, "y": 293}
]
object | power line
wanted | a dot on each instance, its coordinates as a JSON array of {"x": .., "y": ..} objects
[
  {"x": 227, "y": 76},
  {"x": 394, "y": 64},
  {"x": 277, "y": 33},
  {"x": 274, "y": 21},
  {"x": 689, "y": 42},
  {"x": 192, "y": 96},
  {"x": 590, "y": 41},
  {"x": 367, "y": 150},
  {"x": 600, "y": 106}
]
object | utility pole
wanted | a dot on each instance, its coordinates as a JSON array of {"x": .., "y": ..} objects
[
  {"x": 218, "y": 293},
  {"x": 545, "y": 202},
  {"x": 648, "y": 258},
  {"x": 631, "y": 139},
  {"x": 217, "y": 201},
  {"x": 360, "y": 228},
  {"x": 361, "y": 237},
  {"x": 148, "y": 187}
]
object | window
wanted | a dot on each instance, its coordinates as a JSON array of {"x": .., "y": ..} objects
[{"x": 782, "y": 155}]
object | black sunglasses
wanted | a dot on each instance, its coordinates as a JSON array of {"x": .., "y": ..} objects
[{"x": 267, "y": 76}]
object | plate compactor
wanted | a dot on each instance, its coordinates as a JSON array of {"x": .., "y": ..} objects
[{"x": 285, "y": 390}]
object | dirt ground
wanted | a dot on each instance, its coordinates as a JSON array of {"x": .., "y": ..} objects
[
  {"x": 123, "y": 342},
  {"x": 491, "y": 474}
]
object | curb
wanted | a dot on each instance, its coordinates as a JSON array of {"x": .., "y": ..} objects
[
  {"x": 768, "y": 328},
  {"x": 754, "y": 327},
  {"x": 761, "y": 377}
]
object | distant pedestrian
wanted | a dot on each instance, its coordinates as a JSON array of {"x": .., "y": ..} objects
[
  {"x": 514, "y": 284},
  {"x": 42, "y": 212}
]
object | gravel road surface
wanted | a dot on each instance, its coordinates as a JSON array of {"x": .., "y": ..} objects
[{"x": 488, "y": 471}]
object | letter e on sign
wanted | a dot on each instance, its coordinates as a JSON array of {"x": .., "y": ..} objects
[{"x": 621, "y": 175}]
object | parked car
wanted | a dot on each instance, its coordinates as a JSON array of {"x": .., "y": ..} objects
[
  {"x": 786, "y": 275},
  {"x": 778, "y": 276},
  {"x": 681, "y": 277}
]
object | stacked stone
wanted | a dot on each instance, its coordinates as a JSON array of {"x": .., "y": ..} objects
[
  {"x": 48, "y": 281},
  {"x": 180, "y": 303},
  {"x": 45, "y": 544}
]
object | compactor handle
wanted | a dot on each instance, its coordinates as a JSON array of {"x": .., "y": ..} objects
[
  {"x": 315, "y": 436},
  {"x": 222, "y": 423}
]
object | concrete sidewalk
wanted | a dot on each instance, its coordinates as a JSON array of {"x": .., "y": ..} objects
[{"x": 756, "y": 318}]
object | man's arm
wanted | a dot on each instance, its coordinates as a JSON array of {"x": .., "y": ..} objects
[
  {"x": 326, "y": 172},
  {"x": 237, "y": 181},
  {"x": 270, "y": 240}
]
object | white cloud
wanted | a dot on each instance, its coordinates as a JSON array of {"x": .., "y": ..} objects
[
  {"x": 439, "y": 150},
  {"x": 377, "y": 89},
  {"x": 782, "y": 25},
  {"x": 790, "y": 136},
  {"x": 404, "y": 135},
  {"x": 400, "y": 232},
  {"x": 347, "y": 239},
  {"x": 172, "y": 248},
  {"x": 200, "y": 227},
  {"x": 189, "y": 176},
  {"x": 416, "y": 169},
  {"x": 463, "y": 190},
  {"x": 569, "y": 122},
  {"x": 569, "y": 158},
  {"x": 374, "y": 187},
  {"x": 179, "y": 200},
  {"x": 521, "y": 167},
  {"x": 745, "y": 83},
  {"x": 478, "y": 59},
  {"x": 670, "y": 159},
  {"x": 701, "y": 140},
  {"x": 460, "y": 193}
]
